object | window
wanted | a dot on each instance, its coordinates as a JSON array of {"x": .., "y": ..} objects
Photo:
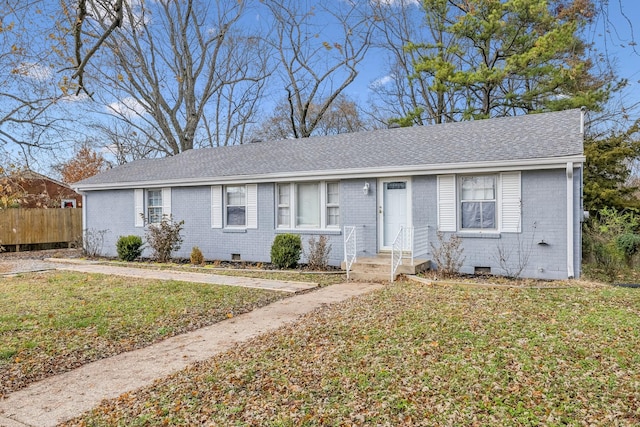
[
  {"x": 236, "y": 206},
  {"x": 151, "y": 205},
  {"x": 478, "y": 202},
  {"x": 154, "y": 206},
  {"x": 308, "y": 205},
  {"x": 284, "y": 213},
  {"x": 333, "y": 201}
]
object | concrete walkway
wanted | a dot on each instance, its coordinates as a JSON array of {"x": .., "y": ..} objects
[
  {"x": 184, "y": 276},
  {"x": 62, "y": 397}
]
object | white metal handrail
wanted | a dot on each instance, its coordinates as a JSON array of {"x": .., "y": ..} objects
[
  {"x": 420, "y": 241},
  {"x": 350, "y": 248},
  {"x": 410, "y": 242},
  {"x": 397, "y": 250}
]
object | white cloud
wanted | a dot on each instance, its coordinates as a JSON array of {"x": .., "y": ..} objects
[
  {"x": 382, "y": 81},
  {"x": 76, "y": 98},
  {"x": 400, "y": 3},
  {"x": 34, "y": 71},
  {"x": 128, "y": 107}
]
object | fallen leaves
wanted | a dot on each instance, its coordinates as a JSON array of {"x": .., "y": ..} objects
[
  {"x": 54, "y": 322},
  {"x": 418, "y": 355}
]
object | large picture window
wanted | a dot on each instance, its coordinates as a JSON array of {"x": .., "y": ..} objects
[
  {"x": 308, "y": 205},
  {"x": 236, "y": 206},
  {"x": 478, "y": 202}
]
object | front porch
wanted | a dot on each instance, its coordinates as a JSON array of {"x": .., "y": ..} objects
[
  {"x": 407, "y": 256},
  {"x": 378, "y": 268}
]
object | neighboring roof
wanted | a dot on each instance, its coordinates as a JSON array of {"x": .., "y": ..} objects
[{"x": 531, "y": 139}]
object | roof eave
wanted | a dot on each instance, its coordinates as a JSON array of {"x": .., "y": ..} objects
[{"x": 381, "y": 172}]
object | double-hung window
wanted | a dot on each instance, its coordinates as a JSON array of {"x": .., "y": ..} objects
[
  {"x": 154, "y": 206},
  {"x": 151, "y": 205},
  {"x": 333, "y": 204},
  {"x": 478, "y": 202},
  {"x": 308, "y": 205},
  {"x": 284, "y": 205},
  {"x": 236, "y": 206}
]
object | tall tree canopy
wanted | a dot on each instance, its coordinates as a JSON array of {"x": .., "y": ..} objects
[{"x": 487, "y": 58}]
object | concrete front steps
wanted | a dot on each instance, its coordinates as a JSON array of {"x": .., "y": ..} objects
[{"x": 378, "y": 268}]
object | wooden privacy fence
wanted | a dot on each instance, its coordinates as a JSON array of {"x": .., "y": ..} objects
[{"x": 39, "y": 226}]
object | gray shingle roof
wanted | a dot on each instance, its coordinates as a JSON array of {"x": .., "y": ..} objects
[{"x": 508, "y": 139}]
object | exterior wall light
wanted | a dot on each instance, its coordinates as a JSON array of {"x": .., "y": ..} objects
[{"x": 365, "y": 189}]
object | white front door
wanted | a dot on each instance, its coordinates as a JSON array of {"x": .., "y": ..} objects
[{"x": 394, "y": 209}]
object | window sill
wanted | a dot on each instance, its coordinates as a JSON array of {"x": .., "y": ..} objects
[
  {"x": 318, "y": 231},
  {"x": 234, "y": 230},
  {"x": 478, "y": 235}
]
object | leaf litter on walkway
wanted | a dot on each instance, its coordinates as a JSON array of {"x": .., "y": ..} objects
[
  {"x": 417, "y": 355},
  {"x": 56, "y": 321}
]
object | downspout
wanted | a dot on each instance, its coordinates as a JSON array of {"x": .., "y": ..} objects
[
  {"x": 570, "y": 221},
  {"x": 84, "y": 220}
]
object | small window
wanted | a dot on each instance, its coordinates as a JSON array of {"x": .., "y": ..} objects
[
  {"x": 154, "y": 206},
  {"x": 333, "y": 204},
  {"x": 236, "y": 206},
  {"x": 284, "y": 205},
  {"x": 478, "y": 202}
]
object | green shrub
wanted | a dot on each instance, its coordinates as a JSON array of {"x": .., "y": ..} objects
[
  {"x": 286, "y": 250},
  {"x": 196, "y": 257},
  {"x": 129, "y": 247},
  {"x": 628, "y": 244}
]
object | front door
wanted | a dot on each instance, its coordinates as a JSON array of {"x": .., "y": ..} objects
[{"x": 394, "y": 209}]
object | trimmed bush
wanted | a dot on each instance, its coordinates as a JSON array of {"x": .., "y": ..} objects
[
  {"x": 196, "y": 257},
  {"x": 129, "y": 247},
  {"x": 286, "y": 250}
]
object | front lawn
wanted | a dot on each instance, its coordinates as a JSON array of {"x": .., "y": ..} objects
[
  {"x": 53, "y": 322},
  {"x": 415, "y": 354}
]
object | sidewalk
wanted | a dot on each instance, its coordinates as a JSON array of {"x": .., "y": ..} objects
[
  {"x": 65, "y": 396},
  {"x": 185, "y": 276}
]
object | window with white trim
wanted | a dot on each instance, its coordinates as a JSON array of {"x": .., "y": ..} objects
[
  {"x": 151, "y": 205},
  {"x": 478, "y": 202},
  {"x": 235, "y": 206},
  {"x": 333, "y": 204},
  {"x": 308, "y": 205},
  {"x": 283, "y": 197},
  {"x": 154, "y": 206}
]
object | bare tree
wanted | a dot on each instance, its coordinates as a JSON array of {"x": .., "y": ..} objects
[
  {"x": 342, "y": 116},
  {"x": 319, "y": 50},
  {"x": 32, "y": 95},
  {"x": 180, "y": 72}
]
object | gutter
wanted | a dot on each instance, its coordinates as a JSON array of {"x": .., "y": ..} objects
[
  {"x": 570, "y": 222},
  {"x": 374, "y": 172}
]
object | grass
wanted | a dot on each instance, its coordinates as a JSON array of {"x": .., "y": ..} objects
[
  {"x": 53, "y": 322},
  {"x": 415, "y": 354}
]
